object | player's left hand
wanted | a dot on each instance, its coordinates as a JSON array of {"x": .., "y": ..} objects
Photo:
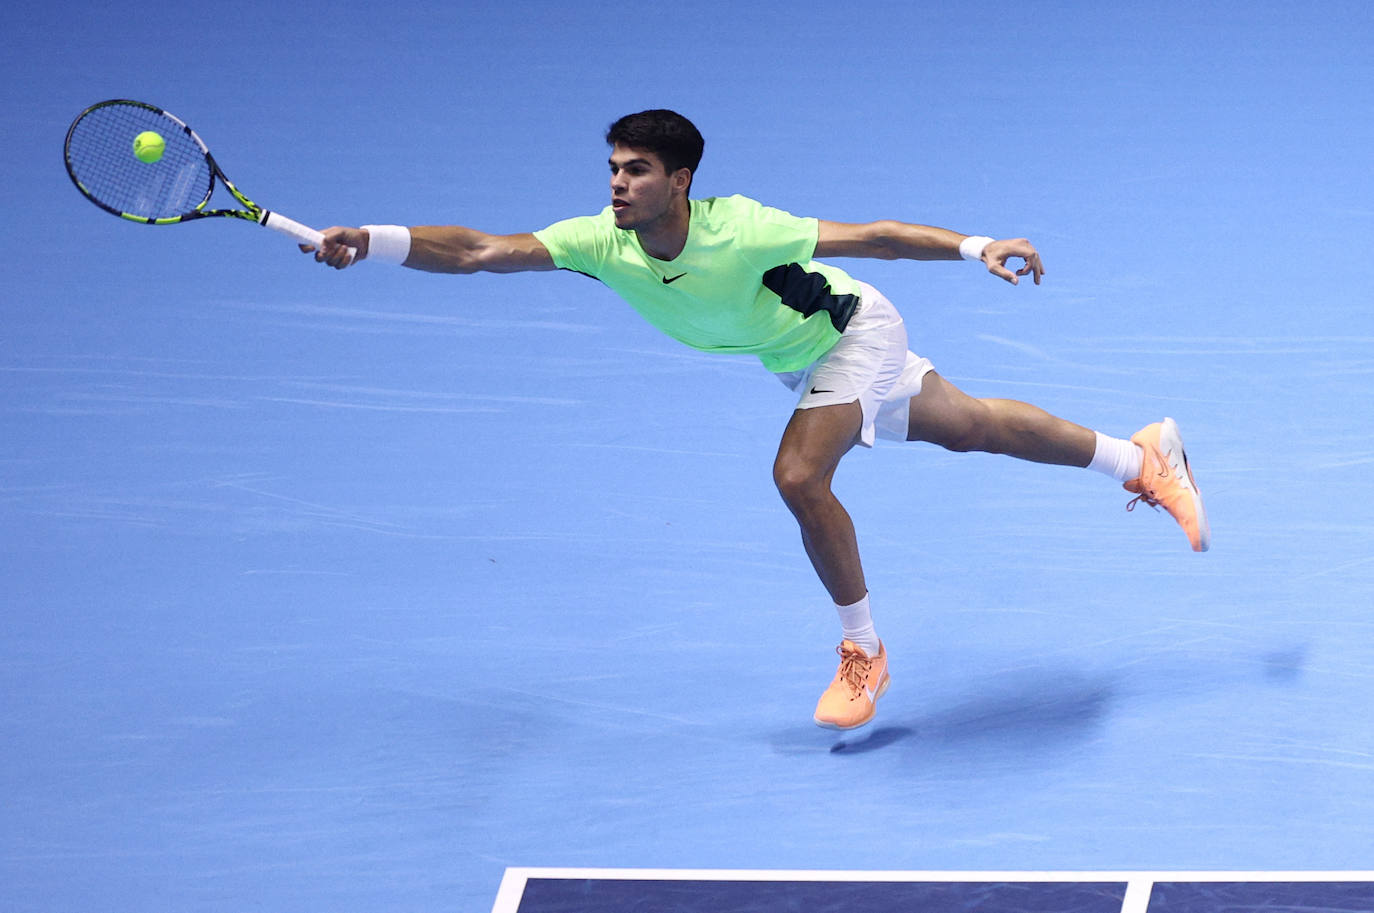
[{"x": 996, "y": 255}]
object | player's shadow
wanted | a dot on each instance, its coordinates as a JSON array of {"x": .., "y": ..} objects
[
  {"x": 996, "y": 720},
  {"x": 1010, "y": 714}
]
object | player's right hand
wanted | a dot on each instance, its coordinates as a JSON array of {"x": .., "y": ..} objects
[{"x": 337, "y": 242}]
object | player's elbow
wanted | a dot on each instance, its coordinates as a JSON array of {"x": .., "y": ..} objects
[
  {"x": 884, "y": 239},
  {"x": 874, "y": 240},
  {"x": 478, "y": 255},
  {"x": 463, "y": 250},
  {"x": 448, "y": 263}
]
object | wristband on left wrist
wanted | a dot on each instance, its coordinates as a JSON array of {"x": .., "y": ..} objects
[{"x": 971, "y": 248}]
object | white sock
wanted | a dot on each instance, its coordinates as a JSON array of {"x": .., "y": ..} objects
[
  {"x": 857, "y": 623},
  {"x": 1117, "y": 458}
]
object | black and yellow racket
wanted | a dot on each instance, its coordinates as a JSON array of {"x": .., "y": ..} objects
[{"x": 143, "y": 164}]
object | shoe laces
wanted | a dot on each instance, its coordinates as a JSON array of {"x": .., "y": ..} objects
[
  {"x": 1145, "y": 499},
  {"x": 854, "y": 668},
  {"x": 1144, "y": 496}
]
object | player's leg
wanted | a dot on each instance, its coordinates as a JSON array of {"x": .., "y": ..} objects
[
  {"x": 815, "y": 441},
  {"x": 1152, "y": 465},
  {"x": 811, "y": 449},
  {"x": 943, "y": 414}
]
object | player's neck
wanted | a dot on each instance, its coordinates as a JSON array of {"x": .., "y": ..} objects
[{"x": 665, "y": 237}]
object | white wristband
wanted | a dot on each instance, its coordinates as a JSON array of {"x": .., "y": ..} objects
[
  {"x": 971, "y": 248},
  {"x": 388, "y": 243}
]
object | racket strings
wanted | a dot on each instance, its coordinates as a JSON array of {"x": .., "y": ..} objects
[{"x": 100, "y": 154}]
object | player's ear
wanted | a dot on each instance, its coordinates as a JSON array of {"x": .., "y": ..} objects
[{"x": 681, "y": 179}]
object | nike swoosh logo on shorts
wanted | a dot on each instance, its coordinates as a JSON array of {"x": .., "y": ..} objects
[{"x": 667, "y": 281}]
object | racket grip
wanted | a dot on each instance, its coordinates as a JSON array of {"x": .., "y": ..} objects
[{"x": 302, "y": 233}]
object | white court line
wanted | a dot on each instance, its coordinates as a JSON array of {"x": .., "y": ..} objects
[
  {"x": 1137, "y": 898},
  {"x": 1139, "y": 885}
]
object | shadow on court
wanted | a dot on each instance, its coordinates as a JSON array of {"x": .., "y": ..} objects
[
  {"x": 1018, "y": 713},
  {"x": 1036, "y": 712}
]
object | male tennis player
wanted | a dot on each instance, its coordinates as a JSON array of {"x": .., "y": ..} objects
[{"x": 731, "y": 275}]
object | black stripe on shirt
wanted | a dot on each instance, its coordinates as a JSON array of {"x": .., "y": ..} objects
[{"x": 809, "y": 293}]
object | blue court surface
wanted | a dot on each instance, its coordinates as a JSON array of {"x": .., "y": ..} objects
[{"x": 378, "y": 590}]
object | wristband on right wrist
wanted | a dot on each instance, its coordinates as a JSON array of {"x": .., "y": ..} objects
[
  {"x": 388, "y": 243},
  {"x": 971, "y": 248}
]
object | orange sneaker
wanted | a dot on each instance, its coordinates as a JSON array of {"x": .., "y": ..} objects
[
  {"x": 1166, "y": 480},
  {"x": 851, "y": 700}
]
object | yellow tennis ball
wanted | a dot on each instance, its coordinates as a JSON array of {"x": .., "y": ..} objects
[{"x": 149, "y": 146}]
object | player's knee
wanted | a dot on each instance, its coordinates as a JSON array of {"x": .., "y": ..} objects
[
  {"x": 797, "y": 482},
  {"x": 969, "y": 434},
  {"x": 971, "y": 439}
]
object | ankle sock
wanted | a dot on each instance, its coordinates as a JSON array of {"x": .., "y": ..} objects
[
  {"x": 857, "y": 623},
  {"x": 1117, "y": 458}
]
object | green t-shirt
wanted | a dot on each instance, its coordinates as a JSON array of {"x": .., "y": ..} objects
[{"x": 745, "y": 283}]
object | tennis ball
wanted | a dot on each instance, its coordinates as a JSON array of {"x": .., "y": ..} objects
[{"x": 149, "y": 146}]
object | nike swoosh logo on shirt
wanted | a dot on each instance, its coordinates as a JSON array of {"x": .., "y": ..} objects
[{"x": 667, "y": 281}]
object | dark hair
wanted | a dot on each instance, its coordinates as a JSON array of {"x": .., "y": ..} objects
[{"x": 667, "y": 134}]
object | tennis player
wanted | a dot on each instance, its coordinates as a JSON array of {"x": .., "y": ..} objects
[{"x": 731, "y": 275}]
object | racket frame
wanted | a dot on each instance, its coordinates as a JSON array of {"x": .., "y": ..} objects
[{"x": 252, "y": 211}]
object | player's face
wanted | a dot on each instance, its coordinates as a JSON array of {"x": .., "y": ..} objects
[{"x": 641, "y": 187}]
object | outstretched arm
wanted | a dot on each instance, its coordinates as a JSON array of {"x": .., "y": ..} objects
[
  {"x": 890, "y": 240},
  {"x": 436, "y": 249}
]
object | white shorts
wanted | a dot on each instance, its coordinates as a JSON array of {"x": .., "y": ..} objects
[{"x": 871, "y": 365}]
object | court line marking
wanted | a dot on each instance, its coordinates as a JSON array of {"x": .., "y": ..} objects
[
  {"x": 1139, "y": 884},
  {"x": 1137, "y": 899}
]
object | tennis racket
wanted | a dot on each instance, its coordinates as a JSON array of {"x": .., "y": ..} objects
[{"x": 113, "y": 158}]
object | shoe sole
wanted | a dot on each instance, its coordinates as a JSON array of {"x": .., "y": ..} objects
[
  {"x": 1169, "y": 439},
  {"x": 882, "y": 689}
]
